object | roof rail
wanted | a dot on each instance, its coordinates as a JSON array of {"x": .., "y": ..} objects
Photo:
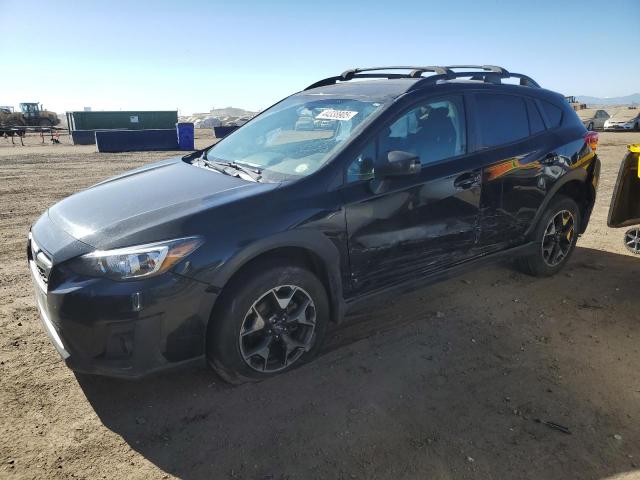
[
  {"x": 489, "y": 74},
  {"x": 415, "y": 72},
  {"x": 486, "y": 73},
  {"x": 486, "y": 68}
]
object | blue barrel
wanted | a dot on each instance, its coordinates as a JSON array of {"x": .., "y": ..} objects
[{"x": 186, "y": 136}]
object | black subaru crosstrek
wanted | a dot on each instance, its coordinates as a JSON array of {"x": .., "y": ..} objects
[{"x": 370, "y": 182}]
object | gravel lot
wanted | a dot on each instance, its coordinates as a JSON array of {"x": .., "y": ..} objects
[{"x": 452, "y": 381}]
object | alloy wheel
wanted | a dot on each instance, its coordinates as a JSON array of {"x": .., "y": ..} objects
[
  {"x": 558, "y": 238},
  {"x": 632, "y": 240},
  {"x": 278, "y": 329}
]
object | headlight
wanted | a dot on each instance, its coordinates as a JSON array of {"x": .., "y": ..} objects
[{"x": 137, "y": 261}]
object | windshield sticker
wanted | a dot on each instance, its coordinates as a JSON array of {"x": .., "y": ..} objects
[
  {"x": 303, "y": 167},
  {"x": 330, "y": 114}
]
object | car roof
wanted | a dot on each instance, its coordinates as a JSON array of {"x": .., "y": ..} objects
[{"x": 389, "y": 89}]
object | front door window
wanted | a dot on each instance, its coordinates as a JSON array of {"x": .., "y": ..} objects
[{"x": 433, "y": 130}]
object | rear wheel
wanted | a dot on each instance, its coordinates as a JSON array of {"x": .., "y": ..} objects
[
  {"x": 555, "y": 238},
  {"x": 269, "y": 320}
]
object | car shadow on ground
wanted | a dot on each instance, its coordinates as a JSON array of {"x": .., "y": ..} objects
[{"x": 450, "y": 381}]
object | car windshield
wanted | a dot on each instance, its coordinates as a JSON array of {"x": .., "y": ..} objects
[{"x": 295, "y": 137}]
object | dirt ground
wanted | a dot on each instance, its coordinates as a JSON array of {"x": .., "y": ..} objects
[{"x": 447, "y": 382}]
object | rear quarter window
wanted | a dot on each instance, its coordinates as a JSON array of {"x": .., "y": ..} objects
[
  {"x": 500, "y": 119},
  {"x": 553, "y": 114},
  {"x": 535, "y": 119}
]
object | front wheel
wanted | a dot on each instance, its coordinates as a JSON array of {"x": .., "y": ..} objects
[
  {"x": 269, "y": 320},
  {"x": 555, "y": 238},
  {"x": 632, "y": 240}
]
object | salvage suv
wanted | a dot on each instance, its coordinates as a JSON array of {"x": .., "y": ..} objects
[{"x": 368, "y": 183}]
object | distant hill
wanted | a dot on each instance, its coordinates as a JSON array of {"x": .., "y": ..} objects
[
  {"x": 627, "y": 100},
  {"x": 219, "y": 117},
  {"x": 231, "y": 112}
]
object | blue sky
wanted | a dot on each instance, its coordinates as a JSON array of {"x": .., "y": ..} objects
[{"x": 194, "y": 55}]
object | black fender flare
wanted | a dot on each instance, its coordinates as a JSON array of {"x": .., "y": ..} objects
[
  {"x": 313, "y": 241},
  {"x": 578, "y": 174}
]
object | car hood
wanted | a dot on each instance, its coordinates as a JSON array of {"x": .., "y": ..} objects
[
  {"x": 135, "y": 206},
  {"x": 623, "y": 117}
]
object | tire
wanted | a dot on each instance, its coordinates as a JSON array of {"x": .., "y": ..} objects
[
  {"x": 241, "y": 323},
  {"x": 553, "y": 248},
  {"x": 45, "y": 122},
  {"x": 590, "y": 127}
]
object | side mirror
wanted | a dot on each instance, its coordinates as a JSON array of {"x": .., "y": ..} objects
[{"x": 398, "y": 163}]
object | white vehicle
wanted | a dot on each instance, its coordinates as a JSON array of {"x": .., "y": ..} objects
[
  {"x": 593, "y": 119},
  {"x": 624, "y": 119}
]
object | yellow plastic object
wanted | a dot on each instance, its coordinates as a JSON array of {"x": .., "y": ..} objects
[{"x": 635, "y": 149}]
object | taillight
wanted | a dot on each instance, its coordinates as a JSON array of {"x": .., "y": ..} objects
[{"x": 591, "y": 139}]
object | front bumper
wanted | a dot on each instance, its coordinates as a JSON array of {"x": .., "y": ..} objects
[
  {"x": 123, "y": 329},
  {"x": 626, "y": 127}
]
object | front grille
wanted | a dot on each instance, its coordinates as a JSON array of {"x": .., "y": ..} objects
[
  {"x": 41, "y": 262},
  {"x": 43, "y": 274}
]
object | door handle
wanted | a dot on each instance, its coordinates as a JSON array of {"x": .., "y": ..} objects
[{"x": 467, "y": 180}]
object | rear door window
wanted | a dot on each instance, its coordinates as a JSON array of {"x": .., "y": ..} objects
[{"x": 500, "y": 119}]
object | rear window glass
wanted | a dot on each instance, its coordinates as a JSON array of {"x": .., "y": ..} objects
[
  {"x": 535, "y": 120},
  {"x": 553, "y": 114},
  {"x": 501, "y": 119}
]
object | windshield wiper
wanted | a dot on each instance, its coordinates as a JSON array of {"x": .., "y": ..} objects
[
  {"x": 254, "y": 174},
  {"x": 245, "y": 167}
]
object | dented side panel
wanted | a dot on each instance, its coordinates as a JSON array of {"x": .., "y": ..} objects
[
  {"x": 416, "y": 226},
  {"x": 520, "y": 179}
]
